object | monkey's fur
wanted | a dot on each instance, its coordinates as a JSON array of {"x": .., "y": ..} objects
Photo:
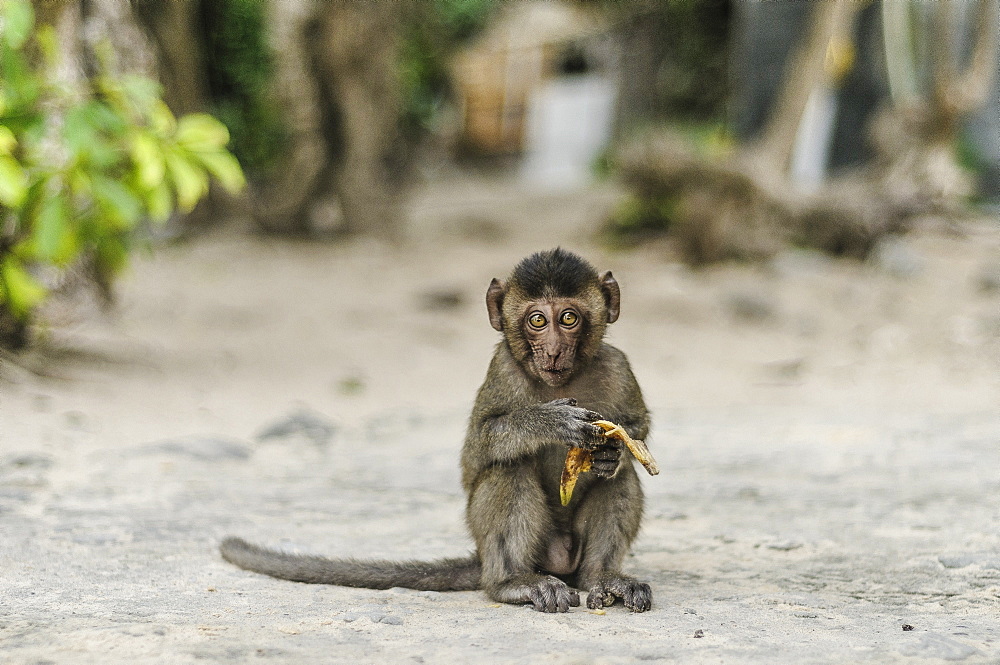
[{"x": 550, "y": 377}]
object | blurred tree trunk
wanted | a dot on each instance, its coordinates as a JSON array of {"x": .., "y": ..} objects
[
  {"x": 336, "y": 81},
  {"x": 810, "y": 67},
  {"x": 173, "y": 30},
  {"x": 81, "y": 26}
]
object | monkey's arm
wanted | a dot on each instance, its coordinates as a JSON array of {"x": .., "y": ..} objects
[{"x": 507, "y": 437}]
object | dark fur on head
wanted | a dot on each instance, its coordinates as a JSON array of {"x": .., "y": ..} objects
[{"x": 553, "y": 274}]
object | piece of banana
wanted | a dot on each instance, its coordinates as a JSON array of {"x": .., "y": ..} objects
[
  {"x": 580, "y": 460},
  {"x": 638, "y": 448}
]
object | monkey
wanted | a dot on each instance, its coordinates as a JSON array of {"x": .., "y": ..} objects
[{"x": 551, "y": 376}]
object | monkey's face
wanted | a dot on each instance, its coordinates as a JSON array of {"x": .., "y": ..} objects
[{"x": 553, "y": 330}]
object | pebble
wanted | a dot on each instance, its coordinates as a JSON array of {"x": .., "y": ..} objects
[
  {"x": 306, "y": 423},
  {"x": 202, "y": 448}
]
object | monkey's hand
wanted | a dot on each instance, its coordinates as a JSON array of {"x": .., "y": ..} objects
[
  {"x": 573, "y": 425},
  {"x": 606, "y": 459}
]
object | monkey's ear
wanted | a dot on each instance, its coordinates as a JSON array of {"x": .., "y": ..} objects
[
  {"x": 494, "y": 303},
  {"x": 612, "y": 296}
]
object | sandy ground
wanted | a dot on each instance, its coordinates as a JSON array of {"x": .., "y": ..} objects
[{"x": 829, "y": 433}]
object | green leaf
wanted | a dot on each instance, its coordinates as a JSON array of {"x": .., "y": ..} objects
[
  {"x": 224, "y": 167},
  {"x": 190, "y": 182},
  {"x": 142, "y": 92},
  {"x": 7, "y": 141},
  {"x": 16, "y": 19},
  {"x": 147, "y": 154},
  {"x": 160, "y": 202},
  {"x": 162, "y": 119},
  {"x": 91, "y": 132},
  {"x": 22, "y": 290},
  {"x": 48, "y": 43},
  {"x": 54, "y": 238},
  {"x": 79, "y": 181},
  {"x": 13, "y": 182},
  {"x": 201, "y": 132},
  {"x": 117, "y": 201}
]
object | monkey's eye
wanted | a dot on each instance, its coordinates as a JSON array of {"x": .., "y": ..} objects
[
  {"x": 569, "y": 318},
  {"x": 537, "y": 320}
]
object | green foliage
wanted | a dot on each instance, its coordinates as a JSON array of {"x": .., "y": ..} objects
[
  {"x": 240, "y": 67},
  {"x": 649, "y": 214},
  {"x": 80, "y": 170},
  {"x": 638, "y": 219}
]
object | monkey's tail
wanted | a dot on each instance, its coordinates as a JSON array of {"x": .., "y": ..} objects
[{"x": 440, "y": 575}]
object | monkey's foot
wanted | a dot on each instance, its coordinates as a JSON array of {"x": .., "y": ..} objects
[
  {"x": 636, "y": 595},
  {"x": 546, "y": 594}
]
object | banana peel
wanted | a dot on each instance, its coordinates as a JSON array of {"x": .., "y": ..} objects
[{"x": 580, "y": 460}]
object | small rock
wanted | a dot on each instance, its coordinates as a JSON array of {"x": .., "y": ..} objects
[
  {"x": 751, "y": 307},
  {"x": 786, "y": 370},
  {"x": 203, "y": 448},
  {"x": 76, "y": 420},
  {"x": 442, "y": 300},
  {"x": 699, "y": 633},
  {"x": 25, "y": 461},
  {"x": 313, "y": 426},
  {"x": 351, "y": 385},
  {"x": 988, "y": 277},
  {"x": 390, "y": 619},
  {"x": 24, "y": 470},
  {"x": 907, "y": 627}
]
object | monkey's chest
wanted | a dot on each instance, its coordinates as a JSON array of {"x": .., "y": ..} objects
[{"x": 561, "y": 553}]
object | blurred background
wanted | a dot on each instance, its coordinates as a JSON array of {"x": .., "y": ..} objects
[
  {"x": 787, "y": 189},
  {"x": 244, "y": 252}
]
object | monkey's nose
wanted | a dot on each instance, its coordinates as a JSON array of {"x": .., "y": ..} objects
[{"x": 554, "y": 360}]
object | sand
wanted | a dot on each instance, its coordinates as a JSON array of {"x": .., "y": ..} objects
[{"x": 828, "y": 433}]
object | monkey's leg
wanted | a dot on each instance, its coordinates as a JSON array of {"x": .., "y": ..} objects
[
  {"x": 607, "y": 523},
  {"x": 511, "y": 523}
]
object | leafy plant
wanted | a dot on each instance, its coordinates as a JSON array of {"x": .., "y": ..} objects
[
  {"x": 240, "y": 69},
  {"x": 83, "y": 167}
]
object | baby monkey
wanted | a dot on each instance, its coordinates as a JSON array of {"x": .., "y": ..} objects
[{"x": 551, "y": 377}]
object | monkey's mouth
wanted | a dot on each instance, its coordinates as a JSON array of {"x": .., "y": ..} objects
[{"x": 553, "y": 377}]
